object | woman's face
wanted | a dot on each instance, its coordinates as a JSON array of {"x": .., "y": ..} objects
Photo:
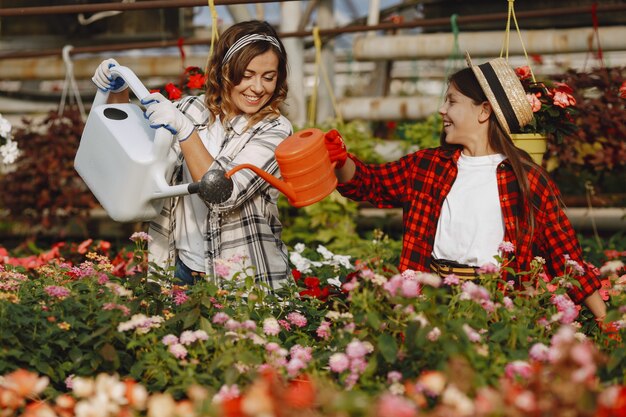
[
  {"x": 464, "y": 122},
  {"x": 257, "y": 85}
]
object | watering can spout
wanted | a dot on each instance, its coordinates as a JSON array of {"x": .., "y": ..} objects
[
  {"x": 282, "y": 186},
  {"x": 304, "y": 163}
]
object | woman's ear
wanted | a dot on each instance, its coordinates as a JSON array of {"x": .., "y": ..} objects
[{"x": 485, "y": 112}]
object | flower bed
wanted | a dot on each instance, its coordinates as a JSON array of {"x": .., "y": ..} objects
[{"x": 84, "y": 333}]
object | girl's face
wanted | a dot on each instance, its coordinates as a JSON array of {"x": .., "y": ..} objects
[
  {"x": 464, "y": 122},
  {"x": 257, "y": 85}
]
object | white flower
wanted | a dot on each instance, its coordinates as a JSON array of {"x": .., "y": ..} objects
[
  {"x": 5, "y": 127},
  {"x": 9, "y": 152}
]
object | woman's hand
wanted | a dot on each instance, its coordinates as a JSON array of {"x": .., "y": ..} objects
[
  {"x": 163, "y": 113},
  {"x": 103, "y": 79}
]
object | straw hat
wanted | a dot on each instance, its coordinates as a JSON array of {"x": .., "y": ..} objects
[{"x": 504, "y": 92}]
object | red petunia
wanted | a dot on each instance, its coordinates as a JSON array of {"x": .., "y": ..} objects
[
  {"x": 523, "y": 73},
  {"x": 173, "y": 92},
  {"x": 196, "y": 81}
]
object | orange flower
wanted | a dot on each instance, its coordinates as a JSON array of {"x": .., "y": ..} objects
[
  {"x": 82, "y": 248},
  {"x": 300, "y": 393},
  {"x": 25, "y": 383}
]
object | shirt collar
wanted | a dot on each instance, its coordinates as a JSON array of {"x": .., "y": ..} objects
[{"x": 238, "y": 124}]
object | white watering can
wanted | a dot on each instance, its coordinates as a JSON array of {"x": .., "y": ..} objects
[{"x": 126, "y": 164}]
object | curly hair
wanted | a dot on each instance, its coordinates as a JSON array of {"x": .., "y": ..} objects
[{"x": 223, "y": 77}]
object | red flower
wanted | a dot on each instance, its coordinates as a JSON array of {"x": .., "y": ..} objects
[
  {"x": 622, "y": 90},
  {"x": 82, "y": 248},
  {"x": 312, "y": 282},
  {"x": 523, "y": 73},
  {"x": 196, "y": 81},
  {"x": 296, "y": 275},
  {"x": 173, "y": 92}
]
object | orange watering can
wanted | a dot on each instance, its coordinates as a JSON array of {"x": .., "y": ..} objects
[{"x": 308, "y": 175}]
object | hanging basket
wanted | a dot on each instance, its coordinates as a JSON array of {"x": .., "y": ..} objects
[{"x": 535, "y": 144}]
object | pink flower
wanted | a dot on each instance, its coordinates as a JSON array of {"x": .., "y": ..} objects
[
  {"x": 284, "y": 324},
  {"x": 506, "y": 247},
  {"x": 271, "y": 326},
  {"x": 410, "y": 288},
  {"x": 178, "y": 350},
  {"x": 302, "y": 353},
  {"x": 534, "y": 102},
  {"x": 179, "y": 296},
  {"x": 294, "y": 366},
  {"x": 563, "y": 99},
  {"x": 472, "y": 334},
  {"x": 390, "y": 405},
  {"x": 356, "y": 349},
  {"x": 169, "y": 340},
  {"x": 187, "y": 337},
  {"x": 226, "y": 392},
  {"x": 220, "y": 318},
  {"x": 222, "y": 268},
  {"x": 518, "y": 368},
  {"x": 297, "y": 319},
  {"x": 451, "y": 280},
  {"x": 434, "y": 334},
  {"x": 201, "y": 335},
  {"x": 338, "y": 362},
  {"x": 323, "y": 331},
  {"x": 249, "y": 325},
  {"x": 272, "y": 347},
  {"x": 488, "y": 268},
  {"x": 141, "y": 237},
  {"x": 393, "y": 377},
  {"x": 57, "y": 291}
]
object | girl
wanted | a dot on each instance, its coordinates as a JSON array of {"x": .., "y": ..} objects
[{"x": 463, "y": 199}]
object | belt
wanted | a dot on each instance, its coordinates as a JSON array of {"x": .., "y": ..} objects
[{"x": 443, "y": 268}]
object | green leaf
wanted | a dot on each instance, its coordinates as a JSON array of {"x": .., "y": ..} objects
[
  {"x": 388, "y": 347},
  {"x": 373, "y": 319}
]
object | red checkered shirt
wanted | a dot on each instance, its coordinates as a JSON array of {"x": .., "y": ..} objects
[{"x": 419, "y": 183}]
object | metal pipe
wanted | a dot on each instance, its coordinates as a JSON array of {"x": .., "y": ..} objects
[
  {"x": 101, "y": 7},
  {"x": 439, "y": 45},
  {"x": 300, "y": 33},
  {"x": 387, "y": 108}
]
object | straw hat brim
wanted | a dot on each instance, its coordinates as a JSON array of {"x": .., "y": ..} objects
[{"x": 504, "y": 92}]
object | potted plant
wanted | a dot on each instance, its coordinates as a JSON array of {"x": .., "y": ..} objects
[{"x": 553, "y": 105}]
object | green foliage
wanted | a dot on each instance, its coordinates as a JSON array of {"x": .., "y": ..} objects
[{"x": 423, "y": 134}]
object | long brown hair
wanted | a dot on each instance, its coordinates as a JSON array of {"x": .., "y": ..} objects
[
  {"x": 521, "y": 162},
  {"x": 222, "y": 77}
]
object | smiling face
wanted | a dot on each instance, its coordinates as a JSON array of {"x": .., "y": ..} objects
[
  {"x": 257, "y": 85},
  {"x": 465, "y": 123}
]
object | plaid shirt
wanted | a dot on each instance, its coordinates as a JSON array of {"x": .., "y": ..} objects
[
  {"x": 419, "y": 183},
  {"x": 247, "y": 223}
]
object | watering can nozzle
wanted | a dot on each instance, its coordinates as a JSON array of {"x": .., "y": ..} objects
[{"x": 215, "y": 187}]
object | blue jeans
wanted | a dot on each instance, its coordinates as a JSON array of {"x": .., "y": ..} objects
[{"x": 185, "y": 274}]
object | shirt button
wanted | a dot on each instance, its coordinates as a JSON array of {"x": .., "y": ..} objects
[
  {"x": 502, "y": 166},
  {"x": 503, "y": 198}
]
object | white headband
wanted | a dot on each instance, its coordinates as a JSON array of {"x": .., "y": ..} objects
[{"x": 247, "y": 40}]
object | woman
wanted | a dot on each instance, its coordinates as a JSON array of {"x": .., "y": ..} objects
[
  {"x": 463, "y": 199},
  {"x": 236, "y": 121}
]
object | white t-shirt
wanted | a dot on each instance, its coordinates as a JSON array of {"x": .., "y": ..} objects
[
  {"x": 190, "y": 219},
  {"x": 471, "y": 226}
]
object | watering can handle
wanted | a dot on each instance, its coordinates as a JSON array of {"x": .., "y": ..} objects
[{"x": 127, "y": 75}]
